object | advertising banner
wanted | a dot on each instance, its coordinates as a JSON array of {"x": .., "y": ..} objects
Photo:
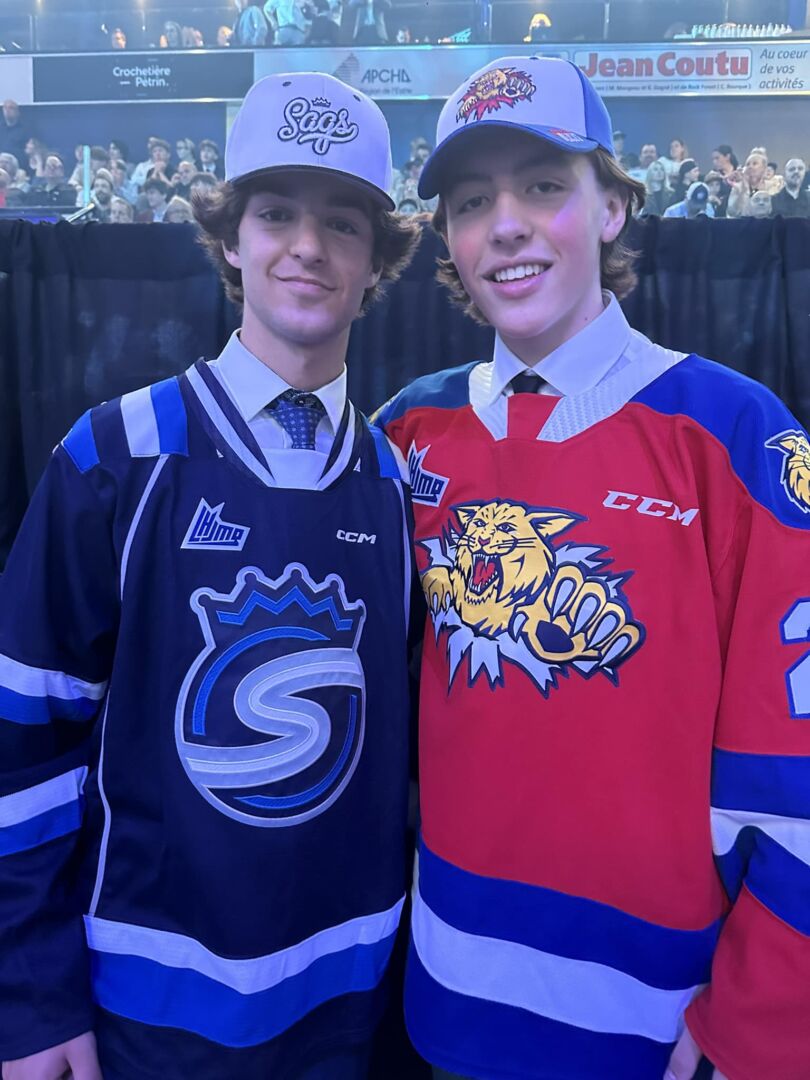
[
  {"x": 157, "y": 76},
  {"x": 717, "y": 68}
]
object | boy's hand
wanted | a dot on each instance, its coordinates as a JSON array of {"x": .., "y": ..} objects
[
  {"x": 685, "y": 1060},
  {"x": 76, "y": 1059}
]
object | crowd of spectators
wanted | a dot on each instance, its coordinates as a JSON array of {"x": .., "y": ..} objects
[
  {"x": 286, "y": 23},
  {"x": 678, "y": 185},
  {"x": 160, "y": 187},
  {"x": 119, "y": 191}
]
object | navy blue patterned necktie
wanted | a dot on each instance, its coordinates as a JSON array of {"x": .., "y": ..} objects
[
  {"x": 527, "y": 382},
  {"x": 299, "y": 413}
]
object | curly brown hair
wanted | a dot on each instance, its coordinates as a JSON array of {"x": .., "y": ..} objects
[
  {"x": 219, "y": 212},
  {"x": 615, "y": 259}
]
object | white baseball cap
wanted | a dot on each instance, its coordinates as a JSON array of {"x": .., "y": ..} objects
[
  {"x": 542, "y": 95},
  {"x": 308, "y": 120}
]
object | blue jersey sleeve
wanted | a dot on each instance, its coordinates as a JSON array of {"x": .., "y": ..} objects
[{"x": 58, "y": 619}]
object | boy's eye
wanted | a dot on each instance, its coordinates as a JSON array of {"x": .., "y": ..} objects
[
  {"x": 274, "y": 213},
  {"x": 546, "y": 187},
  {"x": 342, "y": 226},
  {"x": 473, "y": 203}
]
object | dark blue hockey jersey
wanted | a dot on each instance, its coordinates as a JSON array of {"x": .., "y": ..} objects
[{"x": 203, "y": 743}]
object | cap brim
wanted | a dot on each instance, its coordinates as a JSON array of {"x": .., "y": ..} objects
[
  {"x": 377, "y": 195},
  {"x": 430, "y": 181}
]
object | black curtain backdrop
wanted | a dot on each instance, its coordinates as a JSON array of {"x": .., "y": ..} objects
[{"x": 88, "y": 312}]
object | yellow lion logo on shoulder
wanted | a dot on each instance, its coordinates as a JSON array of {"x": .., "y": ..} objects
[
  {"x": 502, "y": 591},
  {"x": 795, "y": 466}
]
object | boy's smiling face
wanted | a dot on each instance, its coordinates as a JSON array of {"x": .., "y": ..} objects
[{"x": 525, "y": 226}]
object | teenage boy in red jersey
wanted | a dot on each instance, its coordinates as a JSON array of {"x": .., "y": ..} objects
[{"x": 615, "y": 759}]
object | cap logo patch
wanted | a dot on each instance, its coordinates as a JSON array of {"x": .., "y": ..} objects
[
  {"x": 316, "y": 123},
  {"x": 568, "y": 136},
  {"x": 486, "y": 94}
]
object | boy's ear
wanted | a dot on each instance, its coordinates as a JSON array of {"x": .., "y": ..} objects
[
  {"x": 232, "y": 256},
  {"x": 615, "y": 215}
]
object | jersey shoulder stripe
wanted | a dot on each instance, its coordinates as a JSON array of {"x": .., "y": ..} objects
[
  {"x": 447, "y": 389},
  {"x": 767, "y": 447},
  {"x": 144, "y": 423}
]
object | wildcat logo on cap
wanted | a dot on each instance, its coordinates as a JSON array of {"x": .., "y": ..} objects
[
  {"x": 316, "y": 123},
  {"x": 486, "y": 94}
]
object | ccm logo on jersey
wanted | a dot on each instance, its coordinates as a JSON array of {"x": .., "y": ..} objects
[
  {"x": 356, "y": 538},
  {"x": 643, "y": 504}
]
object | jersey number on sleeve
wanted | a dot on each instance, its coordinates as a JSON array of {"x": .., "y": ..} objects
[{"x": 796, "y": 627}]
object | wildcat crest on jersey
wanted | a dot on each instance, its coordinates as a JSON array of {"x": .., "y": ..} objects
[
  {"x": 271, "y": 716},
  {"x": 795, "y": 478},
  {"x": 501, "y": 590}
]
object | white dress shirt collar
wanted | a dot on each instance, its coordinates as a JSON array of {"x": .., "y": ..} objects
[
  {"x": 575, "y": 366},
  {"x": 252, "y": 385}
]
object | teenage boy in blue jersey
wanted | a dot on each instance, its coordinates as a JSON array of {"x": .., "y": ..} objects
[{"x": 203, "y": 689}]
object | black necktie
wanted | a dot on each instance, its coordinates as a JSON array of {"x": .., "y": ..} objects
[{"x": 527, "y": 382}]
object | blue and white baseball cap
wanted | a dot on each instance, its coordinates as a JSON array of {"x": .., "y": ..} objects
[
  {"x": 547, "y": 97},
  {"x": 308, "y": 120}
]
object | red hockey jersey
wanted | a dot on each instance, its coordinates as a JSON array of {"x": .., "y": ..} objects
[{"x": 615, "y": 724}]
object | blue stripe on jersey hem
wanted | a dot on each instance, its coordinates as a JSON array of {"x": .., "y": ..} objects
[
  {"x": 742, "y": 415},
  {"x": 768, "y": 783},
  {"x": 38, "y": 830},
  {"x": 22, "y": 709},
  {"x": 385, "y": 455},
  {"x": 565, "y": 925},
  {"x": 151, "y": 993},
  {"x": 779, "y": 880},
  {"x": 80, "y": 444},
  {"x": 448, "y": 389},
  {"x": 502, "y": 1042},
  {"x": 170, "y": 414}
]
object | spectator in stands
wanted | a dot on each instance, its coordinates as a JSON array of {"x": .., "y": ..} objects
[
  {"x": 290, "y": 20},
  {"x": 186, "y": 151},
  {"x": 10, "y": 197},
  {"x": 224, "y": 35},
  {"x": 678, "y": 153},
  {"x": 694, "y": 205},
  {"x": 618, "y": 144},
  {"x": 52, "y": 189},
  {"x": 724, "y": 160},
  {"x": 203, "y": 184},
  {"x": 172, "y": 36},
  {"x": 746, "y": 181},
  {"x": 36, "y": 152},
  {"x": 760, "y": 205},
  {"x": 408, "y": 205},
  {"x": 119, "y": 151},
  {"x": 326, "y": 23},
  {"x": 182, "y": 179},
  {"x": 688, "y": 174},
  {"x": 210, "y": 161},
  {"x": 122, "y": 185},
  {"x": 99, "y": 159},
  {"x": 18, "y": 179},
  {"x": 101, "y": 195},
  {"x": 157, "y": 193},
  {"x": 13, "y": 132},
  {"x": 251, "y": 27},
  {"x": 646, "y": 157},
  {"x": 118, "y": 39},
  {"x": 4, "y": 184},
  {"x": 159, "y": 153},
  {"x": 794, "y": 199},
  {"x": 191, "y": 38},
  {"x": 719, "y": 192},
  {"x": 177, "y": 211},
  {"x": 121, "y": 212},
  {"x": 659, "y": 193},
  {"x": 369, "y": 21}
]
